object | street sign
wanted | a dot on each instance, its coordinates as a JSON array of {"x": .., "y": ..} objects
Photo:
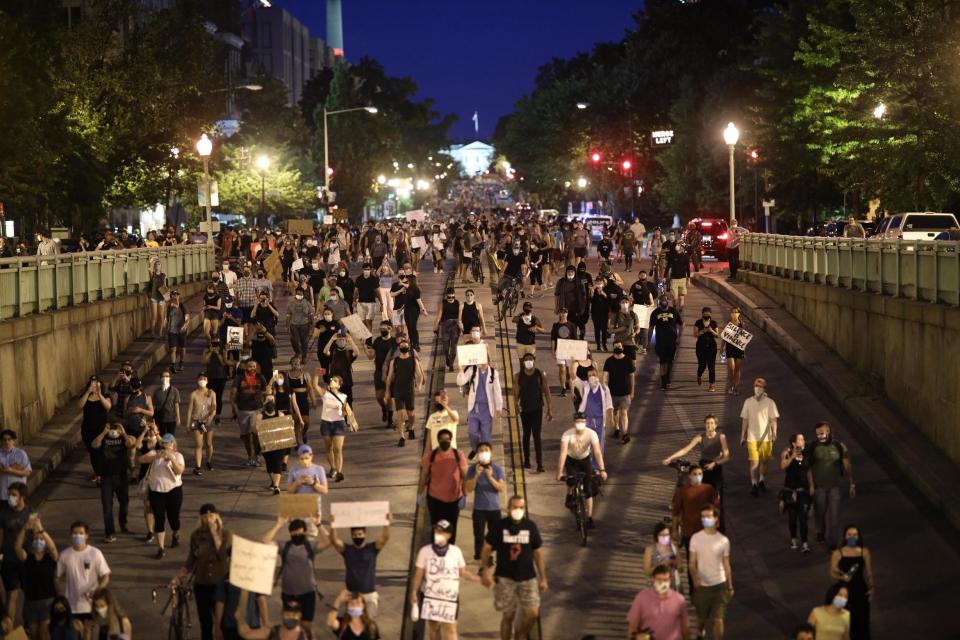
[
  {"x": 202, "y": 193},
  {"x": 662, "y": 138}
]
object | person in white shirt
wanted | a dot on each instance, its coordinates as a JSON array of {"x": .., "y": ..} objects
[
  {"x": 758, "y": 432},
  {"x": 165, "y": 483},
  {"x": 439, "y": 567},
  {"x": 229, "y": 277},
  {"x": 579, "y": 448},
  {"x": 640, "y": 233},
  {"x": 81, "y": 571},
  {"x": 710, "y": 571}
]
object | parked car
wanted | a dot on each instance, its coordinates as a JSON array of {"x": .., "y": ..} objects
[
  {"x": 916, "y": 226},
  {"x": 713, "y": 234}
]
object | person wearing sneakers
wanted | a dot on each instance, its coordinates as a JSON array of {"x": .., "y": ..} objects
[
  {"x": 618, "y": 375},
  {"x": 404, "y": 378},
  {"x": 795, "y": 498},
  {"x": 484, "y": 402},
  {"x": 249, "y": 388},
  {"x": 307, "y": 477},
  {"x": 758, "y": 432},
  {"x": 165, "y": 484},
  {"x": 443, "y": 471},
  {"x": 706, "y": 331},
  {"x": 531, "y": 392}
]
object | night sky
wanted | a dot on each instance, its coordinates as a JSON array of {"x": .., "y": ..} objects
[{"x": 470, "y": 56}]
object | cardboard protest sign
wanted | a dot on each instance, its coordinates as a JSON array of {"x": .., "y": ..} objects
[
  {"x": 418, "y": 242},
  {"x": 737, "y": 336},
  {"x": 438, "y": 610},
  {"x": 360, "y": 514},
  {"x": 276, "y": 433},
  {"x": 300, "y": 227},
  {"x": 471, "y": 354},
  {"x": 643, "y": 313},
  {"x": 355, "y": 326},
  {"x": 572, "y": 349},
  {"x": 252, "y": 565},
  {"x": 299, "y": 505}
]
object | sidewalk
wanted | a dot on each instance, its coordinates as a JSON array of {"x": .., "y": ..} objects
[{"x": 931, "y": 472}]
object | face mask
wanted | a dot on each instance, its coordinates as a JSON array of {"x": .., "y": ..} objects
[
  {"x": 404, "y": 349},
  {"x": 707, "y": 523},
  {"x": 78, "y": 539},
  {"x": 594, "y": 381},
  {"x": 39, "y": 544},
  {"x": 663, "y": 304},
  {"x": 528, "y": 364},
  {"x": 664, "y": 539},
  {"x": 475, "y": 335},
  {"x": 706, "y": 316},
  {"x": 661, "y": 587},
  {"x": 385, "y": 332},
  {"x": 166, "y": 382},
  {"x": 229, "y": 305},
  {"x": 569, "y": 276},
  {"x": 527, "y": 317},
  {"x": 280, "y": 380},
  {"x": 439, "y": 539},
  {"x": 226, "y": 267},
  {"x": 444, "y": 445},
  {"x": 696, "y": 479},
  {"x": 269, "y": 407},
  {"x": 343, "y": 273},
  {"x": 13, "y": 501},
  {"x": 333, "y": 298},
  {"x": 355, "y": 612},
  {"x": 202, "y": 384},
  {"x": 290, "y": 623},
  {"x": 484, "y": 457},
  {"x": 839, "y": 602},
  {"x": 298, "y": 538},
  {"x": 516, "y": 252},
  {"x": 315, "y": 265},
  {"x": 113, "y": 433},
  {"x": 358, "y": 541},
  {"x": 618, "y": 351},
  {"x": 852, "y": 541},
  {"x": 299, "y": 296},
  {"x": 672, "y": 237},
  {"x": 517, "y": 514},
  {"x": 825, "y": 437},
  {"x": 580, "y": 426},
  {"x": 758, "y": 392},
  {"x": 102, "y": 612}
]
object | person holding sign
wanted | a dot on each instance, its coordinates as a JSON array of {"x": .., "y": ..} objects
[
  {"x": 484, "y": 402},
  {"x": 439, "y": 567},
  {"x": 360, "y": 562},
  {"x": 734, "y": 356},
  {"x": 276, "y": 459},
  {"x": 562, "y": 330},
  {"x": 308, "y": 478},
  {"x": 442, "y": 417},
  {"x": 706, "y": 333}
]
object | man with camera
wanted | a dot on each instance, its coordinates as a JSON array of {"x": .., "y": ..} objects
[{"x": 114, "y": 444}]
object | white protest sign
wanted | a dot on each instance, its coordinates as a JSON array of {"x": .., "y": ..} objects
[
  {"x": 252, "y": 565},
  {"x": 471, "y": 354},
  {"x": 355, "y": 326},
  {"x": 737, "y": 336},
  {"x": 360, "y": 514},
  {"x": 418, "y": 242},
  {"x": 438, "y": 610},
  {"x": 327, "y": 219},
  {"x": 417, "y": 215},
  {"x": 572, "y": 349},
  {"x": 234, "y": 337},
  {"x": 643, "y": 313},
  {"x": 297, "y": 265}
]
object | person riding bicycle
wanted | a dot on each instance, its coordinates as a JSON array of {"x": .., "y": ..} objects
[
  {"x": 511, "y": 270},
  {"x": 578, "y": 447}
]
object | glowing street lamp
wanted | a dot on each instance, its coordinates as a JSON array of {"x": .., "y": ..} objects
[
  {"x": 582, "y": 183},
  {"x": 204, "y": 149},
  {"x": 731, "y": 135},
  {"x": 879, "y": 111},
  {"x": 381, "y": 179}
]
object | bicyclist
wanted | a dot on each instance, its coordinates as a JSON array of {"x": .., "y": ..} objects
[
  {"x": 579, "y": 447},
  {"x": 511, "y": 270}
]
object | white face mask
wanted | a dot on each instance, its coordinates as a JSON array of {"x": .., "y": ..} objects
[
  {"x": 594, "y": 381},
  {"x": 580, "y": 426},
  {"x": 528, "y": 364},
  {"x": 475, "y": 335},
  {"x": 102, "y": 611},
  {"x": 439, "y": 539},
  {"x": 661, "y": 587},
  {"x": 517, "y": 514},
  {"x": 298, "y": 297},
  {"x": 759, "y": 391},
  {"x": 280, "y": 380},
  {"x": 202, "y": 384},
  {"x": 166, "y": 382},
  {"x": 14, "y": 501},
  {"x": 484, "y": 457}
]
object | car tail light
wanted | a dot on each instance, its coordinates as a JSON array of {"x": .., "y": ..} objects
[
  {"x": 722, "y": 236},
  {"x": 706, "y": 224}
]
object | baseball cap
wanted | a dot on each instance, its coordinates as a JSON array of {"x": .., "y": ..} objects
[
  {"x": 168, "y": 437},
  {"x": 304, "y": 449},
  {"x": 443, "y": 525},
  {"x": 208, "y": 507}
]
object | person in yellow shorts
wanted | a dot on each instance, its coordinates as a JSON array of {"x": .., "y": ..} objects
[{"x": 758, "y": 431}]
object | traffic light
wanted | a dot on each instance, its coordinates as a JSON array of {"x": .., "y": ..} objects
[
  {"x": 595, "y": 157},
  {"x": 627, "y": 165}
]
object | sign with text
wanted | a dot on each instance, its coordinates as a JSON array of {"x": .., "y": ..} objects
[
  {"x": 643, "y": 314},
  {"x": 418, "y": 242},
  {"x": 418, "y": 215},
  {"x": 360, "y": 514},
  {"x": 300, "y": 227},
  {"x": 276, "y": 433},
  {"x": 252, "y": 565},
  {"x": 572, "y": 349},
  {"x": 438, "y": 610},
  {"x": 355, "y": 326},
  {"x": 299, "y": 505},
  {"x": 737, "y": 336},
  {"x": 662, "y": 138},
  {"x": 297, "y": 265},
  {"x": 471, "y": 354},
  {"x": 328, "y": 219},
  {"x": 234, "y": 337}
]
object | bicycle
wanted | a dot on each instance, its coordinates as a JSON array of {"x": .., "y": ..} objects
[
  {"x": 476, "y": 266},
  {"x": 510, "y": 296},
  {"x": 577, "y": 501},
  {"x": 683, "y": 470},
  {"x": 179, "y": 605}
]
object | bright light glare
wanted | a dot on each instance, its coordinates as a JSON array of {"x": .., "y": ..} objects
[
  {"x": 371, "y": 109},
  {"x": 381, "y": 179},
  {"x": 582, "y": 182},
  {"x": 263, "y": 162},
  {"x": 879, "y": 111},
  {"x": 582, "y": 105},
  {"x": 595, "y": 157},
  {"x": 731, "y": 134},
  {"x": 393, "y": 183},
  {"x": 422, "y": 185},
  {"x": 204, "y": 146},
  {"x": 329, "y": 171}
]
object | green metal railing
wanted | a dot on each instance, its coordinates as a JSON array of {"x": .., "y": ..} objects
[
  {"x": 925, "y": 270},
  {"x": 46, "y": 283}
]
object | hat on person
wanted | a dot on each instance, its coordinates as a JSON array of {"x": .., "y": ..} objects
[
  {"x": 579, "y": 415},
  {"x": 208, "y": 507},
  {"x": 443, "y": 525},
  {"x": 528, "y": 306},
  {"x": 291, "y": 605},
  {"x": 168, "y": 438},
  {"x": 304, "y": 449}
]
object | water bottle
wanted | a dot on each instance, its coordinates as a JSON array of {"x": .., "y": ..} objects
[{"x": 414, "y": 612}]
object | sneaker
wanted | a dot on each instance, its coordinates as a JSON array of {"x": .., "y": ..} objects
[
  {"x": 176, "y": 541},
  {"x": 148, "y": 537},
  {"x": 590, "y": 524},
  {"x": 763, "y": 486},
  {"x": 338, "y": 477},
  {"x": 804, "y": 548},
  {"x": 124, "y": 529},
  {"x": 568, "y": 503},
  {"x": 402, "y": 442},
  {"x": 251, "y": 463},
  {"x": 283, "y": 468},
  {"x": 197, "y": 471},
  {"x": 209, "y": 466},
  {"x": 110, "y": 539},
  {"x": 563, "y": 393},
  {"x": 754, "y": 491},
  {"x": 616, "y": 432},
  {"x": 160, "y": 554},
  {"x": 699, "y": 381},
  {"x": 540, "y": 468},
  {"x": 712, "y": 388},
  {"x": 276, "y": 491},
  {"x": 625, "y": 439},
  {"x": 411, "y": 434},
  {"x": 643, "y": 351},
  {"x": 821, "y": 538},
  {"x": 257, "y": 462},
  {"x": 794, "y": 544},
  {"x": 526, "y": 464}
]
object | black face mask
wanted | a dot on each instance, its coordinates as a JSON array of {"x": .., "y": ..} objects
[
  {"x": 404, "y": 349},
  {"x": 444, "y": 445},
  {"x": 269, "y": 407},
  {"x": 298, "y": 538},
  {"x": 618, "y": 350},
  {"x": 359, "y": 541},
  {"x": 385, "y": 332},
  {"x": 437, "y": 406}
]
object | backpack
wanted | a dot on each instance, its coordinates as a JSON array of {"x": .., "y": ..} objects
[
  {"x": 284, "y": 550},
  {"x": 433, "y": 456}
]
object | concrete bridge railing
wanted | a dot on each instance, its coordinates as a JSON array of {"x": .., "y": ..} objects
[
  {"x": 46, "y": 283},
  {"x": 924, "y": 270}
]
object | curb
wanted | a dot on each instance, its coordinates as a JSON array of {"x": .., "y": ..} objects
[{"x": 929, "y": 470}]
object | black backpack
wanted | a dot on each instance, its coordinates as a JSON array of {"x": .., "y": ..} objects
[{"x": 285, "y": 549}]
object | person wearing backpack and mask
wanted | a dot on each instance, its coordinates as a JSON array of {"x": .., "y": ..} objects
[
  {"x": 208, "y": 560},
  {"x": 442, "y": 474},
  {"x": 481, "y": 384},
  {"x": 486, "y": 480},
  {"x": 829, "y": 462},
  {"x": 297, "y": 579},
  {"x": 360, "y": 562}
]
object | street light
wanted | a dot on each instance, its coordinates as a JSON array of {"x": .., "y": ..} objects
[
  {"x": 582, "y": 183},
  {"x": 381, "y": 179},
  {"x": 879, "y": 111},
  {"x": 263, "y": 163},
  {"x": 582, "y": 105},
  {"x": 205, "y": 148},
  {"x": 730, "y": 135},
  {"x": 326, "y": 142}
]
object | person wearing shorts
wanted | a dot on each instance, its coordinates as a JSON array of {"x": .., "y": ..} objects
[
  {"x": 709, "y": 561},
  {"x": 403, "y": 375},
  {"x": 678, "y": 289},
  {"x": 758, "y": 432}
]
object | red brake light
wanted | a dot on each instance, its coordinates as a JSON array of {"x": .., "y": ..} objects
[
  {"x": 706, "y": 224},
  {"x": 722, "y": 236}
]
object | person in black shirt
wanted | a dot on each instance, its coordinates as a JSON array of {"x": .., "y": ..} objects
[
  {"x": 520, "y": 574},
  {"x": 114, "y": 444},
  {"x": 665, "y": 322},
  {"x": 706, "y": 332},
  {"x": 600, "y": 313},
  {"x": 618, "y": 374},
  {"x": 585, "y": 280},
  {"x": 643, "y": 292},
  {"x": 377, "y": 350},
  {"x": 511, "y": 266},
  {"x": 678, "y": 263},
  {"x": 562, "y": 330},
  {"x": 531, "y": 392},
  {"x": 528, "y": 326},
  {"x": 449, "y": 326},
  {"x": 604, "y": 249},
  {"x": 38, "y": 552},
  {"x": 324, "y": 329},
  {"x": 365, "y": 295}
]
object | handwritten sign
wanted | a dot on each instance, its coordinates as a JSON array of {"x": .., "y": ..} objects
[
  {"x": 299, "y": 505},
  {"x": 418, "y": 242},
  {"x": 471, "y": 354},
  {"x": 418, "y": 215},
  {"x": 276, "y": 433},
  {"x": 355, "y": 326},
  {"x": 297, "y": 265},
  {"x": 643, "y": 314},
  {"x": 328, "y": 220},
  {"x": 737, "y": 336},
  {"x": 438, "y": 610},
  {"x": 252, "y": 565},
  {"x": 300, "y": 227},
  {"x": 572, "y": 349},
  {"x": 234, "y": 337},
  {"x": 360, "y": 514}
]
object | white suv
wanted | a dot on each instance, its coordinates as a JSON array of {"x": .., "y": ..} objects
[{"x": 915, "y": 226}]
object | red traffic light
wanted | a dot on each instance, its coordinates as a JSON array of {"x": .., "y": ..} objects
[
  {"x": 595, "y": 156},
  {"x": 627, "y": 165}
]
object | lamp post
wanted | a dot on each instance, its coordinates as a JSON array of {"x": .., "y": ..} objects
[
  {"x": 263, "y": 163},
  {"x": 730, "y": 135},
  {"x": 326, "y": 142},
  {"x": 205, "y": 148}
]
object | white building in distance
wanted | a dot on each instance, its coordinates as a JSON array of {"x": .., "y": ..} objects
[{"x": 474, "y": 158}]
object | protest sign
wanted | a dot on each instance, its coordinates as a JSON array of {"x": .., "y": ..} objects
[
  {"x": 252, "y": 565},
  {"x": 418, "y": 242},
  {"x": 355, "y": 326},
  {"x": 643, "y": 314},
  {"x": 234, "y": 338},
  {"x": 300, "y": 227},
  {"x": 471, "y": 354},
  {"x": 737, "y": 336},
  {"x": 297, "y": 265},
  {"x": 418, "y": 215},
  {"x": 360, "y": 514},
  {"x": 572, "y": 349},
  {"x": 328, "y": 220},
  {"x": 299, "y": 505},
  {"x": 276, "y": 433},
  {"x": 438, "y": 610}
]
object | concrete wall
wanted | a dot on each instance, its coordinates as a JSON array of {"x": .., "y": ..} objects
[
  {"x": 46, "y": 359},
  {"x": 910, "y": 351}
]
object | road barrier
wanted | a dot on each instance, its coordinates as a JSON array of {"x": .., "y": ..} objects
[
  {"x": 46, "y": 283},
  {"x": 924, "y": 270}
]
